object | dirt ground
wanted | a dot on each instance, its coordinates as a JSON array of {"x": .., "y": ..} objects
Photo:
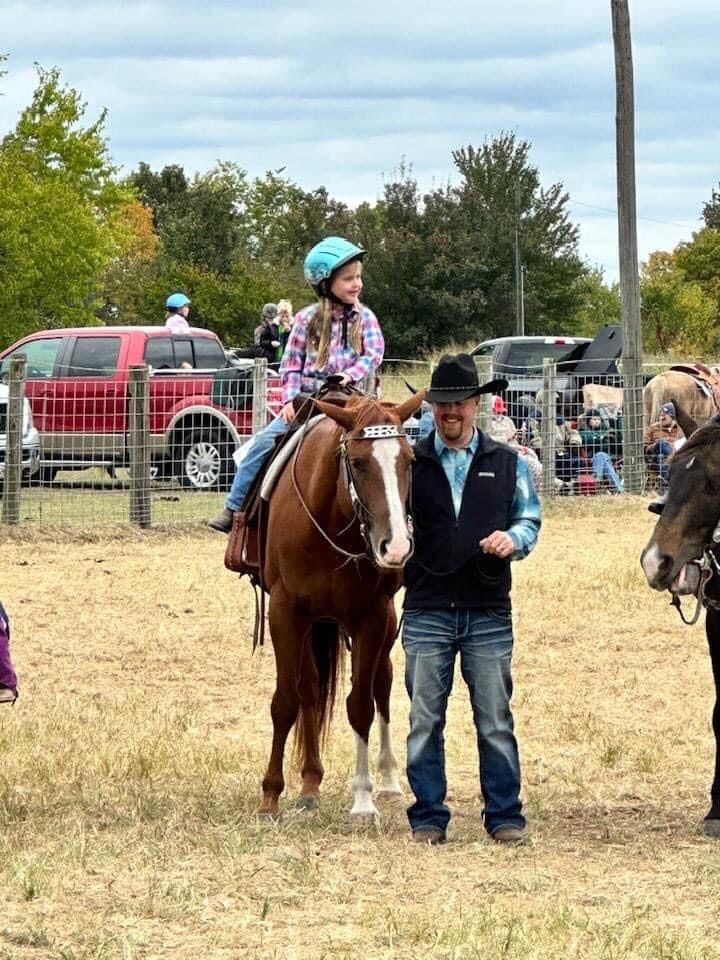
[{"x": 130, "y": 771}]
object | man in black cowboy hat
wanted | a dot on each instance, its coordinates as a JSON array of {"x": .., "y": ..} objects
[{"x": 474, "y": 509}]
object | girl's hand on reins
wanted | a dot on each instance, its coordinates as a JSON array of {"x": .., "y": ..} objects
[{"x": 288, "y": 412}]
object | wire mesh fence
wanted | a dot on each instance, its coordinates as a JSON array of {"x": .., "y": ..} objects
[{"x": 155, "y": 445}]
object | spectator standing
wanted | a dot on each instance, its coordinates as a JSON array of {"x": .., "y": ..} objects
[
  {"x": 284, "y": 322},
  {"x": 661, "y": 438},
  {"x": 177, "y": 308},
  {"x": 474, "y": 510},
  {"x": 267, "y": 336}
]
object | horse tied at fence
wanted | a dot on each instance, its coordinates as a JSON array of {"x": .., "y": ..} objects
[
  {"x": 694, "y": 386},
  {"x": 683, "y": 553},
  {"x": 338, "y": 536}
]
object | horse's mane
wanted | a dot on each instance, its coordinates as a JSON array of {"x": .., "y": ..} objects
[{"x": 368, "y": 409}]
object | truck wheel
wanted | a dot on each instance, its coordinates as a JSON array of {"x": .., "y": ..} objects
[{"x": 205, "y": 462}]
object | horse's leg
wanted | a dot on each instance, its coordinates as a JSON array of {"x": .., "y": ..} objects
[
  {"x": 387, "y": 763},
  {"x": 712, "y": 627},
  {"x": 366, "y": 650},
  {"x": 312, "y": 769},
  {"x": 287, "y": 639}
]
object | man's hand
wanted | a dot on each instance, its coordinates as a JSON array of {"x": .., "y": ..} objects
[
  {"x": 499, "y": 543},
  {"x": 288, "y": 412}
]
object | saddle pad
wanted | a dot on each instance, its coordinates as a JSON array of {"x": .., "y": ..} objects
[{"x": 284, "y": 454}]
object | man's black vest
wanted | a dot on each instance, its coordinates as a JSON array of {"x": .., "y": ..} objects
[{"x": 448, "y": 568}]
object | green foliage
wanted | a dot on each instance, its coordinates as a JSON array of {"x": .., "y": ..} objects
[
  {"x": 599, "y": 304},
  {"x": 711, "y": 211},
  {"x": 58, "y": 221},
  {"x": 677, "y": 313}
]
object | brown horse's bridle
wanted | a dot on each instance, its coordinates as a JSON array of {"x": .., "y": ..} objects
[{"x": 361, "y": 513}]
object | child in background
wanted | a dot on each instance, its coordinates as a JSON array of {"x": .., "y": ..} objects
[{"x": 8, "y": 677}]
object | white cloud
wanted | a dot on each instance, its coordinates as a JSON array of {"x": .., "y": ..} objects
[{"x": 338, "y": 97}]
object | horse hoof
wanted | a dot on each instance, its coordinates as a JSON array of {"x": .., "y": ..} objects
[
  {"x": 304, "y": 802},
  {"x": 268, "y": 816},
  {"x": 711, "y": 828}
]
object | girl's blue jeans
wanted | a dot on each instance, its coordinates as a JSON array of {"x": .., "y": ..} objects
[
  {"x": 254, "y": 453},
  {"x": 484, "y": 640}
]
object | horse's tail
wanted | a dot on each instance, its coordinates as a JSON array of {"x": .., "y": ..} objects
[{"x": 321, "y": 667}]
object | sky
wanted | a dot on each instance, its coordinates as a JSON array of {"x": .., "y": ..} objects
[{"x": 339, "y": 96}]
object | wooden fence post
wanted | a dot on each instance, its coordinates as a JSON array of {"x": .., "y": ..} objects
[
  {"x": 259, "y": 395},
  {"x": 485, "y": 374},
  {"x": 13, "y": 441},
  {"x": 139, "y": 443},
  {"x": 547, "y": 428}
]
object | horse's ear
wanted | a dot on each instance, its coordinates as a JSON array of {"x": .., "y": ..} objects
[
  {"x": 686, "y": 422},
  {"x": 344, "y": 416},
  {"x": 409, "y": 406}
]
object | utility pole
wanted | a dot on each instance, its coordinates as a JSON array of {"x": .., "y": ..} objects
[
  {"x": 519, "y": 294},
  {"x": 633, "y": 461}
]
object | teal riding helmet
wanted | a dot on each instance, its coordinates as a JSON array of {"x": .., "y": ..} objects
[
  {"x": 177, "y": 300},
  {"x": 326, "y": 257}
]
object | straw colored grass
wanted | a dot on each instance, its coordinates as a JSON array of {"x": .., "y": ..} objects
[{"x": 130, "y": 770}]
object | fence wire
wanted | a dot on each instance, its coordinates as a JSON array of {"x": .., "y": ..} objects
[{"x": 156, "y": 447}]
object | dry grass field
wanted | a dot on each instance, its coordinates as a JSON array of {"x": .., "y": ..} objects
[{"x": 130, "y": 770}]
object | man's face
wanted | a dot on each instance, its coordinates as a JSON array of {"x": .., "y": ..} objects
[{"x": 454, "y": 421}]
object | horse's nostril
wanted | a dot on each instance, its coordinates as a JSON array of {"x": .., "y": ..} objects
[
  {"x": 384, "y": 547},
  {"x": 664, "y": 563}
]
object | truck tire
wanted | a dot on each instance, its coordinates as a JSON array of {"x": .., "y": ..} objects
[{"x": 203, "y": 461}]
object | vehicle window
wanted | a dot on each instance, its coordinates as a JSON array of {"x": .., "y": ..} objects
[
  {"x": 93, "y": 357},
  {"x": 159, "y": 353},
  {"x": 485, "y": 351},
  {"x": 183, "y": 353},
  {"x": 41, "y": 356},
  {"x": 209, "y": 355},
  {"x": 532, "y": 354}
]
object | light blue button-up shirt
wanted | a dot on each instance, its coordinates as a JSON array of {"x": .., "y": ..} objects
[{"x": 525, "y": 518}]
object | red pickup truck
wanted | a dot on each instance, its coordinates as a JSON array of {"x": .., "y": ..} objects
[{"x": 200, "y": 407}]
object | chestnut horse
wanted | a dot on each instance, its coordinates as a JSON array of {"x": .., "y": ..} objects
[
  {"x": 683, "y": 553},
  {"x": 337, "y": 540}
]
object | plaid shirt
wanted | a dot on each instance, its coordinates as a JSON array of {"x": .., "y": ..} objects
[{"x": 299, "y": 369}]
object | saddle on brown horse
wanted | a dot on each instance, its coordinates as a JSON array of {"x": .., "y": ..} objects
[
  {"x": 706, "y": 379},
  {"x": 246, "y": 542}
]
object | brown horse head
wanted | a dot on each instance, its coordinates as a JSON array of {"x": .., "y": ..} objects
[
  {"x": 377, "y": 457},
  {"x": 690, "y": 512}
]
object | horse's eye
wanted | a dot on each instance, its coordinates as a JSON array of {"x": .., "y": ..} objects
[{"x": 357, "y": 464}]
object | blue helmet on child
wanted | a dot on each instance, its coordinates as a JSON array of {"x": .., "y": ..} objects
[
  {"x": 326, "y": 257},
  {"x": 177, "y": 300}
]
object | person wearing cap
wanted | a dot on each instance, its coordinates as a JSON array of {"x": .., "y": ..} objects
[
  {"x": 336, "y": 335},
  {"x": 661, "y": 438},
  {"x": 267, "y": 335},
  {"x": 474, "y": 510},
  {"x": 177, "y": 308}
]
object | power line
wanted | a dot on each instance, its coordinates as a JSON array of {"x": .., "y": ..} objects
[{"x": 669, "y": 223}]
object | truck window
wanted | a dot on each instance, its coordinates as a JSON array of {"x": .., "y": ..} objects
[
  {"x": 526, "y": 355},
  {"x": 183, "y": 352},
  {"x": 209, "y": 355},
  {"x": 41, "y": 356},
  {"x": 93, "y": 357},
  {"x": 159, "y": 353}
]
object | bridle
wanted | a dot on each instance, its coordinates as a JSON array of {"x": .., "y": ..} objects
[
  {"x": 708, "y": 567},
  {"x": 361, "y": 514}
]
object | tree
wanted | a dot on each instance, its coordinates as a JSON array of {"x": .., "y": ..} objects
[
  {"x": 677, "y": 314},
  {"x": 599, "y": 303},
  {"x": 711, "y": 211},
  {"x": 59, "y": 219}
]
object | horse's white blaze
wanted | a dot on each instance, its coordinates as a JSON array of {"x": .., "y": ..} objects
[
  {"x": 650, "y": 562},
  {"x": 398, "y": 546},
  {"x": 362, "y": 782},
  {"x": 387, "y": 761}
]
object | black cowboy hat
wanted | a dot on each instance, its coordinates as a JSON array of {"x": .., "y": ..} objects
[{"x": 456, "y": 378}]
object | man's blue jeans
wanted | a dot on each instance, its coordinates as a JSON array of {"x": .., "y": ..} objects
[
  {"x": 254, "y": 453},
  {"x": 484, "y": 640}
]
